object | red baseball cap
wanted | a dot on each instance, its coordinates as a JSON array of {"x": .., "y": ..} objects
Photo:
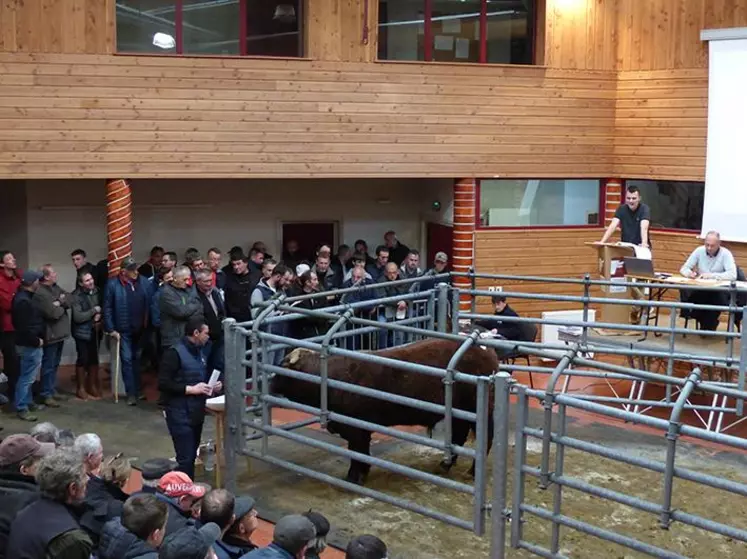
[{"x": 177, "y": 484}]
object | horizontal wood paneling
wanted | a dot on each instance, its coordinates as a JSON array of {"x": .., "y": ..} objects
[
  {"x": 103, "y": 116},
  {"x": 665, "y": 34},
  {"x": 334, "y": 30},
  {"x": 57, "y": 26},
  {"x": 661, "y": 124},
  {"x": 559, "y": 253}
]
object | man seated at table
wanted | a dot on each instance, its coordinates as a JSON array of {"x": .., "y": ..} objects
[
  {"x": 508, "y": 330},
  {"x": 709, "y": 262}
]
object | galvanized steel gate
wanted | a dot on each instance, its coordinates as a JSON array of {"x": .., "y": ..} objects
[{"x": 435, "y": 313}]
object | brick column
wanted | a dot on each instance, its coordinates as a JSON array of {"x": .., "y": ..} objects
[
  {"x": 612, "y": 198},
  {"x": 118, "y": 222},
  {"x": 465, "y": 203}
]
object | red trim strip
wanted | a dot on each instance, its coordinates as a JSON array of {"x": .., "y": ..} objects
[
  {"x": 243, "y": 27},
  {"x": 179, "y": 24},
  {"x": 428, "y": 31},
  {"x": 483, "y": 31}
]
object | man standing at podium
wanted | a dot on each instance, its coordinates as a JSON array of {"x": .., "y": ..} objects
[{"x": 634, "y": 219}]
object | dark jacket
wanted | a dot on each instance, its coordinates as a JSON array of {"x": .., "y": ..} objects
[
  {"x": 16, "y": 492},
  {"x": 398, "y": 253},
  {"x": 358, "y": 296},
  {"x": 147, "y": 269},
  {"x": 177, "y": 307},
  {"x": 231, "y": 548},
  {"x": 509, "y": 330},
  {"x": 28, "y": 321},
  {"x": 183, "y": 364},
  {"x": 83, "y": 312},
  {"x": 117, "y": 312},
  {"x": 117, "y": 542},
  {"x": 104, "y": 498},
  {"x": 238, "y": 293},
  {"x": 391, "y": 291},
  {"x": 176, "y": 519},
  {"x": 213, "y": 320},
  {"x": 309, "y": 326},
  {"x": 56, "y": 319},
  {"x": 272, "y": 551}
]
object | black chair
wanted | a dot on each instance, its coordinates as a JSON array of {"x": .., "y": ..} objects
[{"x": 528, "y": 334}]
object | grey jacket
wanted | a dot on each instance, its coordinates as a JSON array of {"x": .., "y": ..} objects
[
  {"x": 56, "y": 318},
  {"x": 83, "y": 312},
  {"x": 177, "y": 306}
]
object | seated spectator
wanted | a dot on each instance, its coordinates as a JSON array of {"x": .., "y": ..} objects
[
  {"x": 90, "y": 447},
  {"x": 218, "y": 507},
  {"x": 321, "y": 524},
  {"x": 290, "y": 540},
  {"x": 190, "y": 543},
  {"x": 104, "y": 495},
  {"x": 45, "y": 432},
  {"x": 236, "y": 542},
  {"x": 366, "y": 547},
  {"x": 507, "y": 330},
  {"x": 138, "y": 533},
  {"x": 49, "y": 526},
  {"x": 178, "y": 491},
  {"x": 116, "y": 471},
  {"x": 195, "y": 510},
  {"x": 65, "y": 438},
  {"x": 19, "y": 459},
  {"x": 152, "y": 471}
]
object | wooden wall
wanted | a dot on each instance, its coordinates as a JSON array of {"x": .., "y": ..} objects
[
  {"x": 70, "y": 26},
  {"x": 111, "y": 116},
  {"x": 335, "y": 30}
]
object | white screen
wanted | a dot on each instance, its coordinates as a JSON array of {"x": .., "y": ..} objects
[{"x": 725, "y": 206}]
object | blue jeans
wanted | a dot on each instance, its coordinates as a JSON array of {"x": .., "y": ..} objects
[
  {"x": 30, "y": 361},
  {"x": 129, "y": 355},
  {"x": 51, "y": 357},
  {"x": 185, "y": 433},
  {"x": 389, "y": 338}
]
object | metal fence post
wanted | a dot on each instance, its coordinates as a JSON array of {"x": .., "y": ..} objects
[
  {"x": 442, "y": 307},
  {"x": 430, "y": 312},
  {"x": 234, "y": 383},
  {"x": 585, "y": 319},
  {"x": 730, "y": 322},
  {"x": 558, "y": 489},
  {"x": 324, "y": 367},
  {"x": 455, "y": 310},
  {"x": 473, "y": 286},
  {"x": 481, "y": 453},
  {"x": 501, "y": 414},
  {"x": 448, "y": 382},
  {"x": 742, "y": 361},
  {"x": 670, "y": 359},
  {"x": 673, "y": 432},
  {"x": 520, "y": 452}
]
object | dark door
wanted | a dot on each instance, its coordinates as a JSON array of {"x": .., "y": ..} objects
[
  {"x": 439, "y": 239},
  {"x": 309, "y": 236}
]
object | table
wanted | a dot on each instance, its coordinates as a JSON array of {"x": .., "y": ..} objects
[{"x": 217, "y": 408}]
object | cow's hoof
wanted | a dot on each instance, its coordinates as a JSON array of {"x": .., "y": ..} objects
[
  {"x": 445, "y": 466},
  {"x": 357, "y": 479}
]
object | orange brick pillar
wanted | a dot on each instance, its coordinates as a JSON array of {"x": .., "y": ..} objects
[
  {"x": 465, "y": 192},
  {"x": 118, "y": 222},
  {"x": 612, "y": 198}
]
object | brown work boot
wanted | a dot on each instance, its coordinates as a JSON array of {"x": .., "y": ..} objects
[
  {"x": 80, "y": 379},
  {"x": 93, "y": 383}
]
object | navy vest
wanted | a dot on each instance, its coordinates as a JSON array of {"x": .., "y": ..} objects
[
  {"x": 36, "y": 526},
  {"x": 193, "y": 370}
]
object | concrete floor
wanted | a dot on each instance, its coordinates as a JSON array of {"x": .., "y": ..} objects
[{"x": 140, "y": 432}]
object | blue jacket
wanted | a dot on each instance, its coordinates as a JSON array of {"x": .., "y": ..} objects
[
  {"x": 116, "y": 306},
  {"x": 272, "y": 551},
  {"x": 117, "y": 542},
  {"x": 155, "y": 307}
]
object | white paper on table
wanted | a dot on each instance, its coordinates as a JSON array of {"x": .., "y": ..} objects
[
  {"x": 462, "y": 48},
  {"x": 214, "y": 378},
  {"x": 642, "y": 252},
  {"x": 444, "y": 42}
]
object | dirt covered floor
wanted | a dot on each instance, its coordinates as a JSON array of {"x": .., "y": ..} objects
[{"x": 412, "y": 536}]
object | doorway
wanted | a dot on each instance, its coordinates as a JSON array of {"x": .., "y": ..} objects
[
  {"x": 438, "y": 239},
  {"x": 309, "y": 235}
]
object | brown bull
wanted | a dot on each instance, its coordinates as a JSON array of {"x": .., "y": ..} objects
[{"x": 433, "y": 352}]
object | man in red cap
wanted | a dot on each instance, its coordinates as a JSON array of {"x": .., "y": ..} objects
[{"x": 178, "y": 491}]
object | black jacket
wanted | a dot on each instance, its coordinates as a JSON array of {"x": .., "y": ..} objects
[
  {"x": 28, "y": 321},
  {"x": 16, "y": 491},
  {"x": 117, "y": 542},
  {"x": 214, "y": 321},
  {"x": 238, "y": 293},
  {"x": 509, "y": 330},
  {"x": 104, "y": 500}
]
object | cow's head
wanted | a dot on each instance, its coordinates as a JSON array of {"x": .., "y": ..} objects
[
  {"x": 299, "y": 359},
  {"x": 295, "y": 359}
]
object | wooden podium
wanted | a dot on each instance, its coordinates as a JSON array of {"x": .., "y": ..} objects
[{"x": 612, "y": 268}]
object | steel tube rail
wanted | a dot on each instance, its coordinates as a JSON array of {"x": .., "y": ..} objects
[
  {"x": 442, "y": 306},
  {"x": 601, "y": 533},
  {"x": 360, "y": 490},
  {"x": 710, "y": 525},
  {"x": 412, "y": 473},
  {"x": 324, "y": 366},
  {"x": 481, "y": 454},
  {"x": 373, "y": 393},
  {"x": 368, "y": 287},
  {"x": 742, "y": 362},
  {"x": 456, "y": 312},
  {"x": 501, "y": 417},
  {"x": 293, "y": 425},
  {"x": 448, "y": 382},
  {"x": 648, "y": 403},
  {"x": 558, "y": 487},
  {"x": 374, "y": 427},
  {"x": 233, "y": 381},
  {"x": 520, "y": 450}
]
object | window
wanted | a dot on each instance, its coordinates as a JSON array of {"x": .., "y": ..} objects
[
  {"x": 674, "y": 204},
  {"x": 539, "y": 202},
  {"x": 210, "y": 27},
  {"x": 496, "y": 31}
]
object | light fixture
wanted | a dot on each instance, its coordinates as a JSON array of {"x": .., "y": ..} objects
[
  {"x": 285, "y": 13},
  {"x": 164, "y": 41}
]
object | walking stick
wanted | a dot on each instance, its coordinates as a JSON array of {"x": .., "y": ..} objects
[{"x": 116, "y": 368}]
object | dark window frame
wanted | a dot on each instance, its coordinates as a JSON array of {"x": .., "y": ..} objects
[
  {"x": 243, "y": 36},
  {"x": 478, "y": 207},
  {"x": 653, "y": 227},
  {"x": 534, "y": 17}
]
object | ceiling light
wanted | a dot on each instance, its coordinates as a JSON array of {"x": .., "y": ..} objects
[{"x": 164, "y": 41}]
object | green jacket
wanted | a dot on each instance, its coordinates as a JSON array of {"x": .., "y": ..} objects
[{"x": 56, "y": 317}]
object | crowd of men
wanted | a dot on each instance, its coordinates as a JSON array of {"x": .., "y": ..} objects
[{"x": 62, "y": 498}]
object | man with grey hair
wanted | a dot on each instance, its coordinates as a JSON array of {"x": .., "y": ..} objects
[
  {"x": 45, "y": 432},
  {"x": 214, "y": 311},
  {"x": 90, "y": 448},
  {"x": 178, "y": 303},
  {"x": 710, "y": 261},
  {"x": 49, "y": 527},
  {"x": 291, "y": 538}
]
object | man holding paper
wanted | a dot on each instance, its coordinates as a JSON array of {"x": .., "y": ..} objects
[{"x": 185, "y": 385}]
